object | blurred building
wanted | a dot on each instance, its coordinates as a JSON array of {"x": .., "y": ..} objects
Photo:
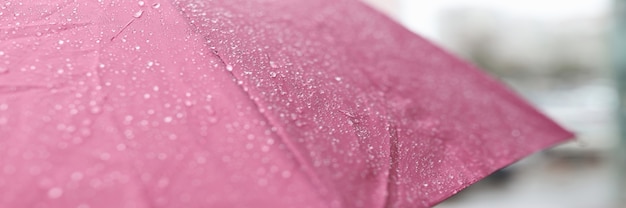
[{"x": 561, "y": 65}]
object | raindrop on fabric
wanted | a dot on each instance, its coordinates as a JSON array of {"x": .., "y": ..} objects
[{"x": 138, "y": 14}]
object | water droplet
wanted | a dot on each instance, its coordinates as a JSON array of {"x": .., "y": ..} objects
[
  {"x": 128, "y": 118},
  {"x": 168, "y": 119},
  {"x": 286, "y": 174},
  {"x": 95, "y": 109},
  {"x": 141, "y": 3},
  {"x": 120, "y": 147},
  {"x": 172, "y": 137},
  {"x": 77, "y": 176},
  {"x": 209, "y": 110},
  {"x": 229, "y": 67},
  {"x": 262, "y": 182},
  {"x": 146, "y": 96},
  {"x": 273, "y": 64},
  {"x": 300, "y": 123},
  {"x": 338, "y": 79},
  {"x": 265, "y": 148},
  {"x": 105, "y": 156},
  {"x": 156, "y": 5},
  {"x": 1, "y": 53},
  {"x": 163, "y": 182},
  {"x": 155, "y": 88},
  {"x": 55, "y": 193},
  {"x": 200, "y": 159},
  {"x": 138, "y": 14},
  {"x": 61, "y": 42}
]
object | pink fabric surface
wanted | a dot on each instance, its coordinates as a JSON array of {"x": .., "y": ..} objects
[{"x": 239, "y": 103}]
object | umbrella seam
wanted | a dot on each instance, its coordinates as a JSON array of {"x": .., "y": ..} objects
[
  {"x": 315, "y": 179},
  {"x": 393, "y": 164}
]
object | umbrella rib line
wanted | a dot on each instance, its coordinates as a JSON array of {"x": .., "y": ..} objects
[
  {"x": 393, "y": 165},
  {"x": 315, "y": 179}
]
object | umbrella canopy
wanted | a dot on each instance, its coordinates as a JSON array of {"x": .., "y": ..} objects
[{"x": 239, "y": 103}]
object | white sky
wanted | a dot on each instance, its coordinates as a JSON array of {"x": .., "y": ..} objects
[{"x": 421, "y": 15}]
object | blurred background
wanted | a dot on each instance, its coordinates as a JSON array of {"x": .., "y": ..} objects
[{"x": 565, "y": 57}]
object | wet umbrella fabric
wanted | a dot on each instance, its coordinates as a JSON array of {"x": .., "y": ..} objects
[{"x": 201, "y": 103}]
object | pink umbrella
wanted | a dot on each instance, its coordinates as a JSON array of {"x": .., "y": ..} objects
[{"x": 239, "y": 103}]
